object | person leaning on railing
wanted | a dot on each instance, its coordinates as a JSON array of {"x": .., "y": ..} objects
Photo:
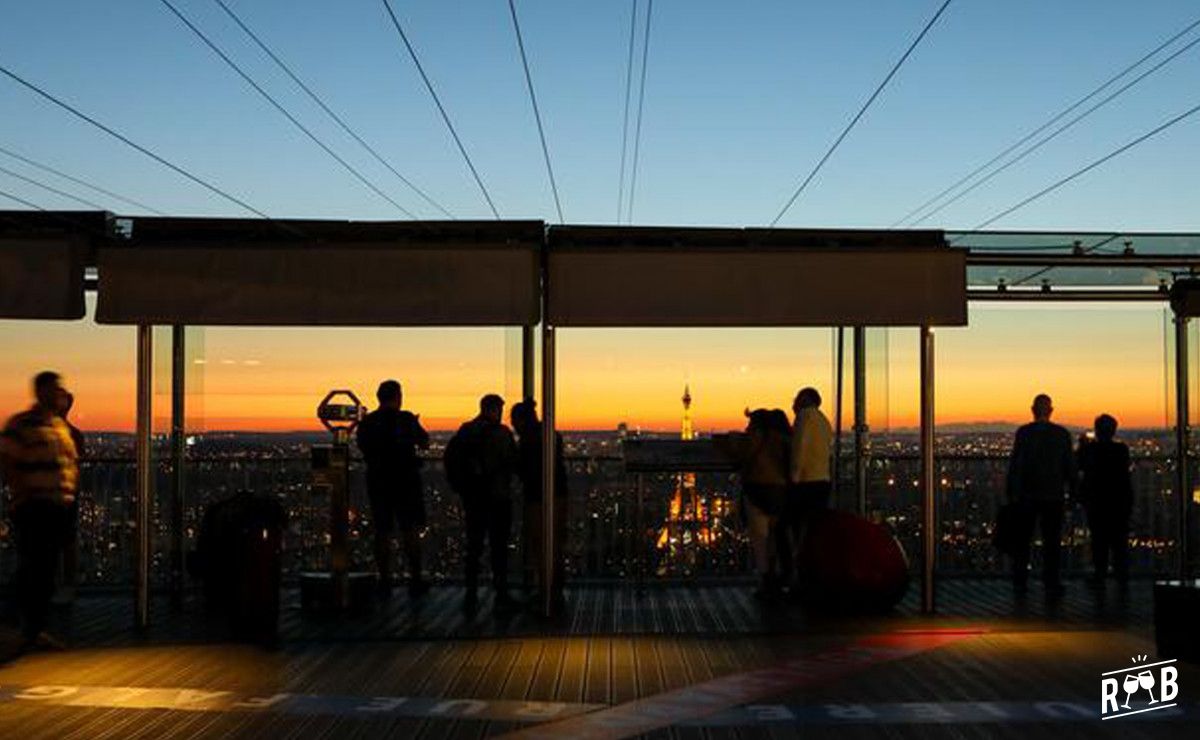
[
  {"x": 811, "y": 479},
  {"x": 40, "y": 465}
]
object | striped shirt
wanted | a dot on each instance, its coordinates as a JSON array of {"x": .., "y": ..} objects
[{"x": 40, "y": 458}]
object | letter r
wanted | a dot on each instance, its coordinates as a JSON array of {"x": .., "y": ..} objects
[{"x": 1108, "y": 693}]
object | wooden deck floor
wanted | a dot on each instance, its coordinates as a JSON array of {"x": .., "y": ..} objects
[
  {"x": 404, "y": 674},
  {"x": 595, "y": 610}
]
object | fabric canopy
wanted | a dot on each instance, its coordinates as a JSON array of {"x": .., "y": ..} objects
[
  {"x": 602, "y": 276},
  {"x": 354, "y": 284},
  {"x": 41, "y": 278}
]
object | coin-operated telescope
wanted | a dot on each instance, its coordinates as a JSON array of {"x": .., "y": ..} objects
[{"x": 338, "y": 588}]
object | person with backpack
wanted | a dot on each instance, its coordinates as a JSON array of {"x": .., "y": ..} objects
[
  {"x": 481, "y": 459},
  {"x": 388, "y": 439}
]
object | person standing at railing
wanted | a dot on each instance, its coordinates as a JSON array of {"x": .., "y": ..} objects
[
  {"x": 762, "y": 458},
  {"x": 529, "y": 468},
  {"x": 1106, "y": 490},
  {"x": 388, "y": 438},
  {"x": 70, "y": 552},
  {"x": 810, "y": 479},
  {"x": 481, "y": 459},
  {"x": 1041, "y": 472},
  {"x": 40, "y": 465}
]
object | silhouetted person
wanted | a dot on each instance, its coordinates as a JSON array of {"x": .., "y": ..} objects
[
  {"x": 40, "y": 465},
  {"x": 1106, "y": 489},
  {"x": 810, "y": 480},
  {"x": 1041, "y": 472},
  {"x": 529, "y": 468},
  {"x": 70, "y": 553},
  {"x": 762, "y": 458},
  {"x": 480, "y": 461},
  {"x": 388, "y": 438}
]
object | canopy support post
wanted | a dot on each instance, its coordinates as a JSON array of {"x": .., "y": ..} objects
[
  {"x": 928, "y": 490},
  {"x": 145, "y": 474},
  {"x": 1182, "y": 441}
]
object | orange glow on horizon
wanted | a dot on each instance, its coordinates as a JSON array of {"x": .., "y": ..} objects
[{"x": 1090, "y": 359}]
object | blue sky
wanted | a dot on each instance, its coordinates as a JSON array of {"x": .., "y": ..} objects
[{"x": 741, "y": 99}]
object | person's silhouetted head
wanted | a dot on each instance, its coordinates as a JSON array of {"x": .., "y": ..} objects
[
  {"x": 806, "y": 398},
  {"x": 1106, "y": 427},
  {"x": 491, "y": 407},
  {"x": 47, "y": 386},
  {"x": 66, "y": 400},
  {"x": 1042, "y": 407},
  {"x": 524, "y": 416},
  {"x": 777, "y": 419},
  {"x": 389, "y": 394},
  {"x": 758, "y": 420}
]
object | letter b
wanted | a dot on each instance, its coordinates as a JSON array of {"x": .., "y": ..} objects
[{"x": 1170, "y": 683}]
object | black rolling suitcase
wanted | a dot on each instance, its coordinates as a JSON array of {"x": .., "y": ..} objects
[{"x": 240, "y": 553}]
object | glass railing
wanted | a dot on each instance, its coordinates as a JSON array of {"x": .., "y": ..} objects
[{"x": 687, "y": 527}]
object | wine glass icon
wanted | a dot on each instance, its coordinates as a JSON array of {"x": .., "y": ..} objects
[
  {"x": 1146, "y": 681},
  {"x": 1130, "y": 685}
]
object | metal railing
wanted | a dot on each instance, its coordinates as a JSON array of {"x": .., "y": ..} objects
[{"x": 604, "y": 541}]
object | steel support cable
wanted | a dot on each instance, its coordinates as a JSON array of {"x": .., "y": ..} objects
[
  {"x": 56, "y": 191},
  {"x": 137, "y": 147},
  {"x": 1082, "y": 171},
  {"x": 329, "y": 111},
  {"x": 861, "y": 111},
  {"x": 22, "y": 201},
  {"x": 79, "y": 181},
  {"x": 625, "y": 120},
  {"x": 637, "y": 133},
  {"x": 1056, "y": 118},
  {"x": 274, "y": 103},
  {"x": 536, "y": 111},
  {"x": 462, "y": 149},
  {"x": 1054, "y": 134}
]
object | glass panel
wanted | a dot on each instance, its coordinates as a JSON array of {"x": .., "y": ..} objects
[
  {"x": 631, "y": 382},
  {"x": 97, "y": 363}
]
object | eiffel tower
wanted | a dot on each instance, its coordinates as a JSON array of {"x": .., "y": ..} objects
[{"x": 687, "y": 526}]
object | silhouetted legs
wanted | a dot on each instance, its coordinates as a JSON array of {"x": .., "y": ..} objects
[
  {"x": 41, "y": 528},
  {"x": 1049, "y": 516},
  {"x": 1110, "y": 536},
  {"x": 805, "y": 500},
  {"x": 532, "y": 533},
  {"x": 387, "y": 513},
  {"x": 491, "y": 518}
]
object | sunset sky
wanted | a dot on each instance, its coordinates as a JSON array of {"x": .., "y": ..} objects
[
  {"x": 1091, "y": 359},
  {"x": 741, "y": 99}
]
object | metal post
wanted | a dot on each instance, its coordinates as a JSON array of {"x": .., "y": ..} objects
[
  {"x": 860, "y": 419},
  {"x": 1182, "y": 440},
  {"x": 639, "y": 534},
  {"x": 178, "y": 431},
  {"x": 928, "y": 492},
  {"x": 527, "y": 368},
  {"x": 548, "y": 466},
  {"x": 840, "y": 362},
  {"x": 145, "y": 473}
]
